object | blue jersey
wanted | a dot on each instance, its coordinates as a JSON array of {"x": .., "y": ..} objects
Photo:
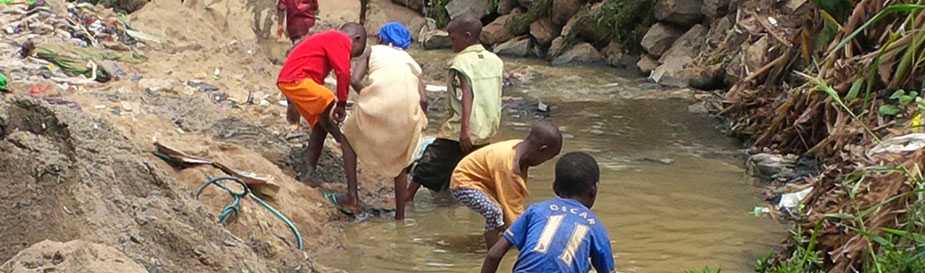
[{"x": 560, "y": 235}]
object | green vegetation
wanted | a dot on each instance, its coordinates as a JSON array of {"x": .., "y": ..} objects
[
  {"x": 437, "y": 11},
  {"x": 626, "y": 21}
]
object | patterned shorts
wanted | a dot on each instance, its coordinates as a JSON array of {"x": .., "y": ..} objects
[{"x": 484, "y": 205}]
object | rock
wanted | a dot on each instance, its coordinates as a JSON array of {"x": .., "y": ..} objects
[
  {"x": 674, "y": 70},
  {"x": 618, "y": 57},
  {"x": 570, "y": 26},
  {"x": 756, "y": 54},
  {"x": 659, "y": 38},
  {"x": 647, "y": 63},
  {"x": 772, "y": 166},
  {"x": 583, "y": 53},
  {"x": 679, "y": 12},
  {"x": 543, "y": 31},
  {"x": 73, "y": 256},
  {"x": 498, "y": 30},
  {"x": 436, "y": 39},
  {"x": 518, "y": 47},
  {"x": 714, "y": 8},
  {"x": 563, "y": 10},
  {"x": 718, "y": 31},
  {"x": 556, "y": 48},
  {"x": 475, "y": 8},
  {"x": 158, "y": 85}
]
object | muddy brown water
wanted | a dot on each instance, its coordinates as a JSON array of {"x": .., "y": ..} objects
[{"x": 673, "y": 193}]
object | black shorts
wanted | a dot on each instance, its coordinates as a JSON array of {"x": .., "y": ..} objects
[{"x": 434, "y": 169}]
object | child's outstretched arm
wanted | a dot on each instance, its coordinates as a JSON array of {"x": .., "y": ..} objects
[{"x": 495, "y": 255}]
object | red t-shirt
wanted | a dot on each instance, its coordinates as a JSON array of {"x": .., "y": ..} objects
[
  {"x": 300, "y": 16},
  {"x": 314, "y": 58}
]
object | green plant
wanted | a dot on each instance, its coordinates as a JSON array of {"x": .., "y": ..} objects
[{"x": 803, "y": 259}]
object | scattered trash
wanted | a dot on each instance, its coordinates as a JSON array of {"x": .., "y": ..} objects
[
  {"x": 542, "y": 107},
  {"x": 772, "y": 166},
  {"x": 900, "y": 144},
  {"x": 792, "y": 201},
  {"x": 759, "y": 211},
  {"x": 664, "y": 161},
  {"x": 435, "y": 88},
  {"x": 201, "y": 86},
  {"x": 38, "y": 90},
  {"x": 3, "y": 82}
]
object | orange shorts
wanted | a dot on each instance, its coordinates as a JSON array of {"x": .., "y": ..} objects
[{"x": 309, "y": 97}]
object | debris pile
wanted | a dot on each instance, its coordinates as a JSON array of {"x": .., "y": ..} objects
[
  {"x": 839, "y": 81},
  {"x": 66, "y": 44}
]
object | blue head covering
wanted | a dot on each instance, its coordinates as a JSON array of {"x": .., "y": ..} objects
[{"x": 395, "y": 34}]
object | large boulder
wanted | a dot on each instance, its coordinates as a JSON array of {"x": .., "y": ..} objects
[
  {"x": 675, "y": 69},
  {"x": 544, "y": 31},
  {"x": 679, "y": 12},
  {"x": 498, "y": 30},
  {"x": 583, "y": 53},
  {"x": 714, "y": 8},
  {"x": 647, "y": 63},
  {"x": 73, "y": 256},
  {"x": 475, "y": 8},
  {"x": 518, "y": 47},
  {"x": 563, "y": 10},
  {"x": 659, "y": 38},
  {"x": 618, "y": 57}
]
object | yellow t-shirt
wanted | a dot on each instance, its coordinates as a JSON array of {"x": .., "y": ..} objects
[{"x": 491, "y": 170}]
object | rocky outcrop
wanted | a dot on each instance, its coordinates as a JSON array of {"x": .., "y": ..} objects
[
  {"x": 618, "y": 57},
  {"x": 583, "y": 53},
  {"x": 714, "y": 8},
  {"x": 498, "y": 30},
  {"x": 563, "y": 10},
  {"x": 679, "y": 12},
  {"x": 475, "y": 8},
  {"x": 518, "y": 47},
  {"x": 543, "y": 31},
  {"x": 647, "y": 63},
  {"x": 674, "y": 70},
  {"x": 660, "y": 38}
]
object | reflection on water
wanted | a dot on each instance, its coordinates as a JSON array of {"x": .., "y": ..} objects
[{"x": 672, "y": 192}]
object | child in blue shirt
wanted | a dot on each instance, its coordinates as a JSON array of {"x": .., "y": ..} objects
[{"x": 561, "y": 234}]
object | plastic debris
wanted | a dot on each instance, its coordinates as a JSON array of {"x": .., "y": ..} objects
[
  {"x": 791, "y": 201},
  {"x": 906, "y": 143}
]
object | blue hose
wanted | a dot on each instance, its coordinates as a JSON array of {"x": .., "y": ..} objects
[{"x": 235, "y": 206}]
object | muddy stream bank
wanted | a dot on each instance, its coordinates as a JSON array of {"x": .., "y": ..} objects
[{"x": 673, "y": 193}]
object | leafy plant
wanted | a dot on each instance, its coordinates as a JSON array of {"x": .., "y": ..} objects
[{"x": 902, "y": 99}]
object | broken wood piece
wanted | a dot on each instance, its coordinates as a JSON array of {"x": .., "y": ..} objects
[
  {"x": 263, "y": 186},
  {"x": 175, "y": 156}
]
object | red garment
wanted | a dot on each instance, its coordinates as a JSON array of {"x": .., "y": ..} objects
[
  {"x": 300, "y": 16},
  {"x": 314, "y": 58}
]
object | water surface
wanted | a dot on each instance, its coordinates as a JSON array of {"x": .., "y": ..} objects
[{"x": 672, "y": 194}]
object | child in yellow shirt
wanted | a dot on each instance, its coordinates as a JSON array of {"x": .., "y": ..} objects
[{"x": 492, "y": 180}]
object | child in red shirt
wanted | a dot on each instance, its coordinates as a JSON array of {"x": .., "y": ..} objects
[{"x": 302, "y": 81}]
